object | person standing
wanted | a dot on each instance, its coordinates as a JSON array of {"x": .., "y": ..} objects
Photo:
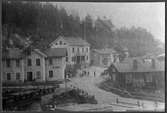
[{"x": 138, "y": 103}]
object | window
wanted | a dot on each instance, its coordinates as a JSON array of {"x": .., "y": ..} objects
[
  {"x": 60, "y": 42},
  {"x": 78, "y": 49},
  {"x": 82, "y": 49},
  {"x": 82, "y": 58},
  {"x": 38, "y": 74},
  {"x": 50, "y": 61},
  {"x": 38, "y": 62},
  {"x": 73, "y": 50},
  {"x": 8, "y": 63},
  {"x": 17, "y": 76},
  {"x": 8, "y": 76},
  {"x": 50, "y": 74},
  {"x": 64, "y": 43},
  {"x": 56, "y": 44},
  {"x": 58, "y": 60},
  {"x": 87, "y": 49},
  {"x": 29, "y": 63},
  {"x": 17, "y": 63}
]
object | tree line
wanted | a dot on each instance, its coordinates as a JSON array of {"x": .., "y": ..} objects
[{"x": 43, "y": 22}]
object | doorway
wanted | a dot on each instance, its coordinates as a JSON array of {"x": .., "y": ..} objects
[{"x": 29, "y": 76}]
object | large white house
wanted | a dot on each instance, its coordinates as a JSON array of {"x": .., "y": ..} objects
[{"x": 78, "y": 50}]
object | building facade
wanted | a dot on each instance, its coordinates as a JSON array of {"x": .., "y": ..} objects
[
  {"x": 103, "y": 57},
  {"x": 35, "y": 66},
  {"x": 55, "y": 64},
  {"x": 78, "y": 50},
  {"x": 13, "y": 66},
  {"x": 138, "y": 73}
]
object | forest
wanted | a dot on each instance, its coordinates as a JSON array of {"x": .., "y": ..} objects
[{"x": 43, "y": 23}]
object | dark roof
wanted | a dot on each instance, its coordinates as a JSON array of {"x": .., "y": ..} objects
[
  {"x": 56, "y": 52},
  {"x": 104, "y": 51},
  {"x": 12, "y": 53},
  {"x": 127, "y": 66},
  {"x": 74, "y": 41}
]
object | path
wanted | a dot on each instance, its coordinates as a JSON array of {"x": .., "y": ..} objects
[{"x": 104, "y": 97}]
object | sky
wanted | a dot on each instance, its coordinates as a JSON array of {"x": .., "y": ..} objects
[{"x": 149, "y": 15}]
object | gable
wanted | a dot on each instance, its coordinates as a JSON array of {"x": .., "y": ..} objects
[{"x": 60, "y": 41}]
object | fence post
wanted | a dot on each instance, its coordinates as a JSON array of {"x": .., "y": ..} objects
[{"x": 156, "y": 104}]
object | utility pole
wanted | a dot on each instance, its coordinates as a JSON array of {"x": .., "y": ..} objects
[
  {"x": 84, "y": 30},
  {"x": 95, "y": 31}
]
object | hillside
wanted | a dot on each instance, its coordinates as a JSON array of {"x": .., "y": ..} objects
[{"x": 42, "y": 23}]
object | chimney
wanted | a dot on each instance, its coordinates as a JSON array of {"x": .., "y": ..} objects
[
  {"x": 153, "y": 63},
  {"x": 135, "y": 64}
]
